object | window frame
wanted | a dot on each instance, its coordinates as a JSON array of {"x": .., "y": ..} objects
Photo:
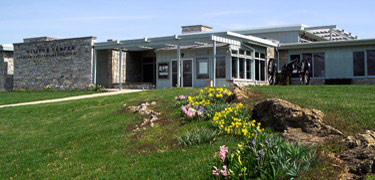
[{"x": 197, "y": 62}]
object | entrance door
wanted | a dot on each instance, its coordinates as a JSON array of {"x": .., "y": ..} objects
[{"x": 187, "y": 67}]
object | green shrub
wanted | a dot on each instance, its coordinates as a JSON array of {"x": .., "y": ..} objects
[
  {"x": 267, "y": 157},
  {"x": 197, "y": 136}
]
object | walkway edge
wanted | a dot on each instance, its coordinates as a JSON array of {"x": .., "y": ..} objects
[{"x": 71, "y": 98}]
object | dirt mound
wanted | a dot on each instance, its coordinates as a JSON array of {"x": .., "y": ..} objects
[{"x": 282, "y": 115}]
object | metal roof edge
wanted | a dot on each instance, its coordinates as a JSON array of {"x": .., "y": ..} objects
[{"x": 322, "y": 44}]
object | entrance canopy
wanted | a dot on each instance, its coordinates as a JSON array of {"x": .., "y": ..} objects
[
  {"x": 183, "y": 40},
  {"x": 193, "y": 40}
]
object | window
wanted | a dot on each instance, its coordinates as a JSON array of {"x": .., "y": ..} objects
[
  {"x": 163, "y": 70},
  {"x": 220, "y": 67},
  {"x": 295, "y": 57},
  {"x": 359, "y": 63},
  {"x": 319, "y": 65},
  {"x": 234, "y": 67},
  {"x": 242, "y": 51},
  {"x": 202, "y": 53},
  {"x": 202, "y": 68},
  {"x": 248, "y": 53},
  {"x": 242, "y": 74},
  {"x": 257, "y": 70},
  {"x": 256, "y": 54},
  {"x": 262, "y": 55},
  {"x": 248, "y": 68},
  {"x": 234, "y": 51},
  {"x": 371, "y": 62}
]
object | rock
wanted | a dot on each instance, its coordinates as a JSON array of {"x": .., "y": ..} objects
[
  {"x": 361, "y": 139},
  {"x": 360, "y": 158},
  {"x": 144, "y": 110},
  {"x": 239, "y": 94},
  {"x": 280, "y": 114}
]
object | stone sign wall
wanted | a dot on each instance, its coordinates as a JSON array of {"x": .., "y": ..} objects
[{"x": 63, "y": 64}]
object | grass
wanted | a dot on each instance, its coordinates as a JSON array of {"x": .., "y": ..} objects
[
  {"x": 28, "y": 96},
  {"x": 90, "y": 139},
  {"x": 94, "y": 138},
  {"x": 348, "y": 108}
]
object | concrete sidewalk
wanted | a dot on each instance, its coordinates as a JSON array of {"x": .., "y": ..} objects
[{"x": 125, "y": 91}]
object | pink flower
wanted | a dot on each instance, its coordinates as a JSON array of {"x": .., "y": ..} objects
[
  {"x": 215, "y": 171},
  {"x": 224, "y": 172},
  {"x": 223, "y": 151},
  {"x": 183, "y": 108},
  {"x": 175, "y": 98},
  {"x": 191, "y": 112},
  {"x": 182, "y": 97}
]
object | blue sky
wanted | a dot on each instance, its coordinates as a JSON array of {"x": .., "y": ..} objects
[{"x": 116, "y": 19}]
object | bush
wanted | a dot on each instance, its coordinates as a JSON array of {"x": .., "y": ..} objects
[
  {"x": 197, "y": 136},
  {"x": 268, "y": 156}
]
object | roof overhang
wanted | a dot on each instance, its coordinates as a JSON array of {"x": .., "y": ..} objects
[
  {"x": 156, "y": 43},
  {"x": 328, "y": 44}
]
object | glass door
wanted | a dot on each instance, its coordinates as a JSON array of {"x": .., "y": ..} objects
[{"x": 187, "y": 67}]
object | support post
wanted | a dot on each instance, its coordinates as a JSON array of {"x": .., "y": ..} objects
[
  {"x": 94, "y": 67},
  {"x": 244, "y": 69},
  {"x": 214, "y": 62},
  {"x": 253, "y": 65},
  {"x": 178, "y": 65},
  {"x": 120, "y": 69}
]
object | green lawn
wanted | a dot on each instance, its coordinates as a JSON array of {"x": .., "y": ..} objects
[
  {"x": 28, "y": 96},
  {"x": 350, "y": 108},
  {"x": 91, "y": 139}
]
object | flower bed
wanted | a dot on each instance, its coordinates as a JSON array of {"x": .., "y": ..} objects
[{"x": 260, "y": 155}]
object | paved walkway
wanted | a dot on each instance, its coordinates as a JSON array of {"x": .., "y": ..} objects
[{"x": 125, "y": 91}]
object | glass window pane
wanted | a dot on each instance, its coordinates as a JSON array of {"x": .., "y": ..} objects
[
  {"x": 234, "y": 67},
  {"x": 295, "y": 57},
  {"x": 319, "y": 65},
  {"x": 202, "y": 68},
  {"x": 359, "y": 63},
  {"x": 248, "y": 53},
  {"x": 242, "y": 51},
  {"x": 220, "y": 67},
  {"x": 234, "y": 51},
  {"x": 242, "y": 61},
  {"x": 248, "y": 68},
  {"x": 262, "y": 55},
  {"x": 371, "y": 63},
  {"x": 257, "y": 70},
  {"x": 256, "y": 54}
]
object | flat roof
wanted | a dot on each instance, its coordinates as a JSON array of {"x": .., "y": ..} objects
[
  {"x": 6, "y": 47},
  {"x": 326, "y": 44}
]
